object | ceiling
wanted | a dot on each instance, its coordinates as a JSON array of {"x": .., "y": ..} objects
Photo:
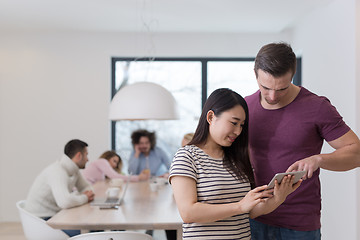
[{"x": 227, "y": 16}]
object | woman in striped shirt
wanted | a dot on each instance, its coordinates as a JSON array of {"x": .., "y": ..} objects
[{"x": 212, "y": 177}]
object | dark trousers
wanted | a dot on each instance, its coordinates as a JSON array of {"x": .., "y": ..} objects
[
  {"x": 69, "y": 232},
  {"x": 170, "y": 234}
]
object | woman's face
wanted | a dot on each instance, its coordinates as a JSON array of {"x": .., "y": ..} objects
[
  {"x": 227, "y": 126},
  {"x": 114, "y": 161}
]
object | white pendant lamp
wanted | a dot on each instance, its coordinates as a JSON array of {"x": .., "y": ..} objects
[{"x": 143, "y": 101}]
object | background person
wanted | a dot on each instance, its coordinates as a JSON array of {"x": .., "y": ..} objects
[
  {"x": 109, "y": 165},
  {"x": 212, "y": 176},
  {"x": 148, "y": 158},
  {"x": 286, "y": 133},
  {"x": 146, "y": 155},
  {"x": 186, "y": 139},
  {"x": 61, "y": 185}
]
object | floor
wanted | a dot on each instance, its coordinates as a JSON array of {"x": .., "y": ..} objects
[{"x": 13, "y": 231}]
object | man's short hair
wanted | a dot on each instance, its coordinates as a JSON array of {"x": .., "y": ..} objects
[
  {"x": 276, "y": 59},
  {"x": 73, "y": 147}
]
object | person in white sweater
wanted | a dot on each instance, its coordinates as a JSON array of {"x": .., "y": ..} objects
[{"x": 61, "y": 185}]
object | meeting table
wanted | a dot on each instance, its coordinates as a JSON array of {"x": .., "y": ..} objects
[{"x": 141, "y": 209}]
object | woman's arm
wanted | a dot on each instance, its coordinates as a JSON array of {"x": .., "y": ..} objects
[
  {"x": 281, "y": 191},
  {"x": 108, "y": 171},
  {"x": 191, "y": 210}
]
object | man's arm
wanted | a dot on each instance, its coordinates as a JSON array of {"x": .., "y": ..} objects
[
  {"x": 84, "y": 187},
  {"x": 133, "y": 164},
  {"x": 164, "y": 158},
  {"x": 344, "y": 158},
  {"x": 64, "y": 198}
]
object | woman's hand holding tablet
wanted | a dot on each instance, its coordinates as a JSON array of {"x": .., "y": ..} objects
[{"x": 279, "y": 176}]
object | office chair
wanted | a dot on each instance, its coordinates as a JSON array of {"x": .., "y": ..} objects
[
  {"x": 113, "y": 235},
  {"x": 36, "y": 228}
]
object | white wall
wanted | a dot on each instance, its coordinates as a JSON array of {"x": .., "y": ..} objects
[
  {"x": 56, "y": 86},
  {"x": 327, "y": 42},
  {"x": 357, "y": 89}
]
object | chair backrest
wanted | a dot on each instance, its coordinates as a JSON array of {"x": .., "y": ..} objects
[
  {"x": 35, "y": 228},
  {"x": 113, "y": 235}
]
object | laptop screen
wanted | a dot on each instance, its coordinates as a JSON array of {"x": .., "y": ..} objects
[{"x": 111, "y": 202}]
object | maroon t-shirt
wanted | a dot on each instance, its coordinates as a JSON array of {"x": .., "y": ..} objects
[{"x": 280, "y": 137}]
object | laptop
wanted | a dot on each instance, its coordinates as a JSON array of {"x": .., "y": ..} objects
[{"x": 106, "y": 203}]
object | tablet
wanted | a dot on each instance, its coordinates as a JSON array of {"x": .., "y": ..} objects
[{"x": 280, "y": 176}]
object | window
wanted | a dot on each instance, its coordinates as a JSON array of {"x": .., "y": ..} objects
[{"x": 190, "y": 80}]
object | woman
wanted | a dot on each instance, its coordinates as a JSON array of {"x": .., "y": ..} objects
[
  {"x": 212, "y": 177},
  {"x": 109, "y": 165},
  {"x": 186, "y": 139}
]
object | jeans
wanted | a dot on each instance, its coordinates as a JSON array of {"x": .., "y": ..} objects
[
  {"x": 69, "y": 232},
  {"x": 261, "y": 231}
]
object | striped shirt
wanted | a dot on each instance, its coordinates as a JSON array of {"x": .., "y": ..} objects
[{"x": 215, "y": 185}]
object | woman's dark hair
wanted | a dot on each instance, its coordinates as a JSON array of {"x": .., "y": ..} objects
[
  {"x": 236, "y": 157},
  {"x": 108, "y": 155},
  {"x": 73, "y": 147},
  {"x": 276, "y": 59},
  {"x": 136, "y": 135}
]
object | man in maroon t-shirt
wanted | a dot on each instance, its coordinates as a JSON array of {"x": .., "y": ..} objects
[{"x": 287, "y": 127}]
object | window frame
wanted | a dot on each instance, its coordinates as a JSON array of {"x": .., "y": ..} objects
[{"x": 204, "y": 60}]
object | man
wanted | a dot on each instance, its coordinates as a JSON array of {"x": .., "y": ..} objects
[
  {"x": 286, "y": 131},
  {"x": 61, "y": 185},
  {"x": 146, "y": 156}
]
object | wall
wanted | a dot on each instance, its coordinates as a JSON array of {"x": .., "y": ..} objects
[
  {"x": 327, "y": 42},
  {"x": 357, "y": 89},
  {"x": 55, "y": 86}
]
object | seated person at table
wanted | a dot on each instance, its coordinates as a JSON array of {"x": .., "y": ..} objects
[
  {"x": 61, "y": 185},
  {"x": 186, "y": 139},
  {"x": 146, "y": 155},
  {"x": 109, "y": 165}
]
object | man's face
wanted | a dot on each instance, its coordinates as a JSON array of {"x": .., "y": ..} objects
[
  {"x": 83, "y": 158},
  {"x": 144, "y": 145},
  {"x": 273, "y": 90}
]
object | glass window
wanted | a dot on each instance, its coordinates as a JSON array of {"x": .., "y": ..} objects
[
  {"x": 237, "y": 75},
  {"x": 190, "y": 80},
  {"x": 182, "y": 79}
]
